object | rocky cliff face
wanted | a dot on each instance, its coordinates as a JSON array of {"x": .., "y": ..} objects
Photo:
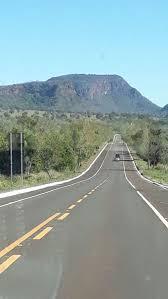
[
  {"x": 97, "y": 93},
  {"x": 164, "y": 111}
]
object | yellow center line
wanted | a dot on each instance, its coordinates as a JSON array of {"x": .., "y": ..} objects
[
  {"x": 71, "y": 207},
  {"x": 80, "y": 200},
  {"x": 63, "y": 216},
  {"x": 5, "y": 265},
  {"x": 27, "y": 235},
  {"x": 43, "y": 233}
]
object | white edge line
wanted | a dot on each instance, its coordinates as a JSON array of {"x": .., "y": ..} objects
[
  {"x": 157, "y": 213},
  {"x": 144, "y": 178},
  {"x": 126, "y": 174},
  {"x": 44, "y": 186},
  {"x": 46, "y": 192},
  {"x": 154, "y": 209}
]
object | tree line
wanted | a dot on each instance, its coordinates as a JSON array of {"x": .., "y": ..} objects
[
  {"x": 53, "y": 144},
  {"x": 150, "y": 140}
]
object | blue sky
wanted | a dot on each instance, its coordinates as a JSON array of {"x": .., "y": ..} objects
[{"x": 44, "y": 38}]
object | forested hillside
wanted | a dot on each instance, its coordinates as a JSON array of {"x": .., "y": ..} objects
[{"x": 95, "y": 93}]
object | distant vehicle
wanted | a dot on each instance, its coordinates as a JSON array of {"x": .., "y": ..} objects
[{"x": 117, "y": 157}]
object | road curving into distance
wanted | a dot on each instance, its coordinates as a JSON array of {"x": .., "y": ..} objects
[{"x": 94, "y": 237}]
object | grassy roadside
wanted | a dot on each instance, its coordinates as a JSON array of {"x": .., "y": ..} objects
[
  {"x": 42, "y": 177},
  {"x": 158, "y": 174}
]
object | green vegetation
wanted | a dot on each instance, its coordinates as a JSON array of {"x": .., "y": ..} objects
[
  {"x": 61, "y": 145},
  {"x": 149, "y": 139},
  {"x": 158, "y": 173},
  {"x": 97, "y": 93},
  {"x": 57, "y": 146}
]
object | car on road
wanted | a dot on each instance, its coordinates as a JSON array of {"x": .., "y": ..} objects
[{"x": 117, "y": 157}]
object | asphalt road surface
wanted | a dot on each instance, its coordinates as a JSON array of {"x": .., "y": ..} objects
[{"x": 92, "y": 238}]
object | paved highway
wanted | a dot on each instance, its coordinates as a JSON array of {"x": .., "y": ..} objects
[{"x": 94, "y": 237}]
